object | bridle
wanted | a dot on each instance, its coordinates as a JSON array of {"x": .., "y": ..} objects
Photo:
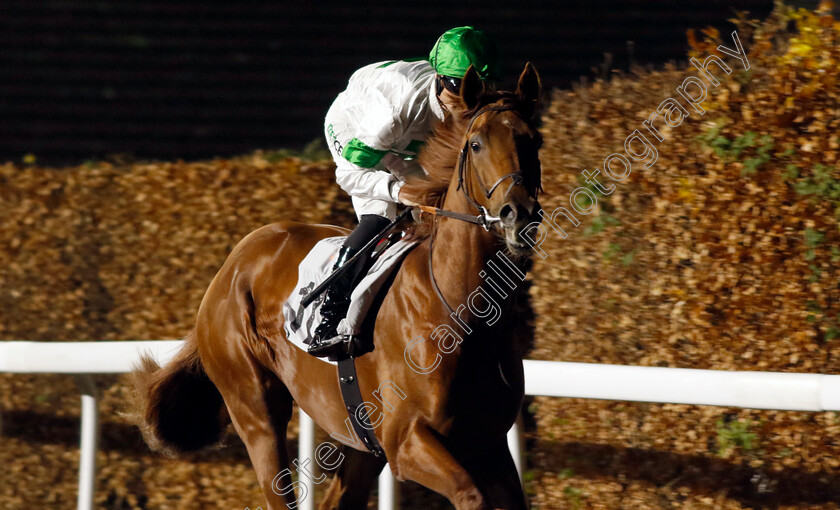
[
  {"x": 484, "y": 218},
  {"x": 515, "y": 177}
]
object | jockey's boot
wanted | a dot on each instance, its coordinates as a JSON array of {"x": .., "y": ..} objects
[{"x": 327, "y": 341}]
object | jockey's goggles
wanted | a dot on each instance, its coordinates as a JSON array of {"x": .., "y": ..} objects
[{"x": 450, "y": 83}]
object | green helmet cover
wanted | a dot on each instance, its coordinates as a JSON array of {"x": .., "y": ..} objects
[{"x": 459, "y": 47}]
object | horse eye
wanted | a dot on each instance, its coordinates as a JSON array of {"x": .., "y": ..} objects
[{"x": 475, "y": 146}]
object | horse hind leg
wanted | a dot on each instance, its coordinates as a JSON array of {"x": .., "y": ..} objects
[
  {"x": 260, "y": 407},
  {"x": 353, "y": 481}
]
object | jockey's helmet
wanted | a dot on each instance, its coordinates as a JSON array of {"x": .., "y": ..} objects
[{"x": 461, "y": 47}]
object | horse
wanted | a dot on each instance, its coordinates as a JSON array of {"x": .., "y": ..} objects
[{"x": 445, "y": 371}]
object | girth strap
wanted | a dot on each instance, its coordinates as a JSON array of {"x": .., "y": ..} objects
[{"x": 348, "y": 381}]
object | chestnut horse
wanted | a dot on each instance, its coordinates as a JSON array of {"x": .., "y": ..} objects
[{"x": 449, "y": 386}]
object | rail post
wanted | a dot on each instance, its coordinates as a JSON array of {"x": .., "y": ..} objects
[
  {"x": 516, "y": 445},
  {"x": 89, "y": 441}
]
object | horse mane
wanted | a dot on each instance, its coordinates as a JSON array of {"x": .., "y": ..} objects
[{"x": 439, "y": 157}]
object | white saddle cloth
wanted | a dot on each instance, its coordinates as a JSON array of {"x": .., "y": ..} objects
[{"x": 300, "y": 323}]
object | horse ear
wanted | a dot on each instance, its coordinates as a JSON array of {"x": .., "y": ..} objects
[
  {"x": 471, "y": 88},
  {"x": 528, "y": 88}
]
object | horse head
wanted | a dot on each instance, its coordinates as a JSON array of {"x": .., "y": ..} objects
[{"x": 499, "y": 167}]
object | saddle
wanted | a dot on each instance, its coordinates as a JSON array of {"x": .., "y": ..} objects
[{"x": 301, "y": 319}]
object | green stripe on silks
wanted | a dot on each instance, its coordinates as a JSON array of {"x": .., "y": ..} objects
[
  {"x": 360, "y": 154},
  {"x": 415, "y": 146}
]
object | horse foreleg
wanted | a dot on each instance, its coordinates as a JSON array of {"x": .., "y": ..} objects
[
  {"x": 422, "y": 458},
  {"x": 353, "y": 481},
  {"x": 496, "y": 475}
]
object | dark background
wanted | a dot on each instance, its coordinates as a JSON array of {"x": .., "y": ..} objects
[{"x": 190, "y": 79}]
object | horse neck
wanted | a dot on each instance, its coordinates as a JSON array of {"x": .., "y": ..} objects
[{"x": 467, "y": 258}]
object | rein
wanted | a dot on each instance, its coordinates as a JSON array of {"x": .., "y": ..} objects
[{"x": 485, "y": 219}]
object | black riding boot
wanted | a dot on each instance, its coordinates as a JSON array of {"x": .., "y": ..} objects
[
  {"x": 337, "y": 299},
  {"x": 335, "y": 305}
]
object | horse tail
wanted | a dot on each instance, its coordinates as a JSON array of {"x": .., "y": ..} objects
[{"x": 177, "y": 407}]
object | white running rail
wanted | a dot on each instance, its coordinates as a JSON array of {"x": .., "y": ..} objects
[{"x": 754, "y": 390}]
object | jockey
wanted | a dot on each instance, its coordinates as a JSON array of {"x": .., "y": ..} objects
[{"x": 374, "y": 131}]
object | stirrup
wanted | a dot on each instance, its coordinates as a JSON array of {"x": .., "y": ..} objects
[{"x": 332, "y": 347}]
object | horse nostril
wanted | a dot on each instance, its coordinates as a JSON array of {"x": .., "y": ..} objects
[{"x": 508, "y": 214}]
